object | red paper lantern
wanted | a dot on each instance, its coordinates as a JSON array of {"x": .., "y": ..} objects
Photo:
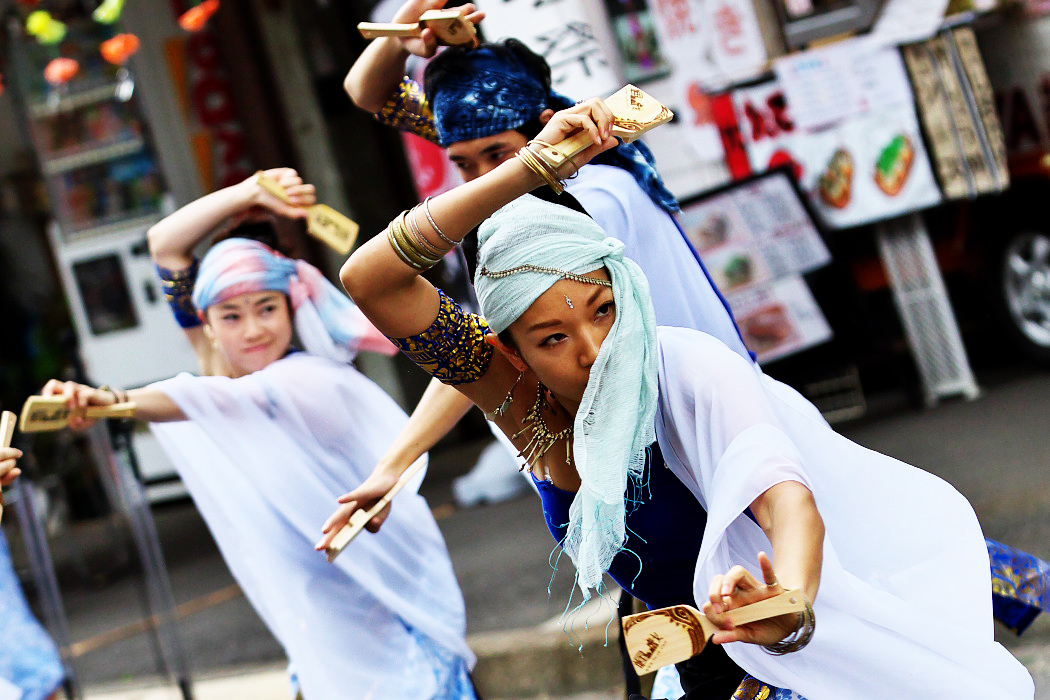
[
  {"x": 120, "y": 48},
  {"x": 61, "y": 70},
  {"x": 194, "y": 19}
]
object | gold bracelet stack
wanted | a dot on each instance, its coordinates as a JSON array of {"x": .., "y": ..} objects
[
  {"x": 807, "y": 624},
  {"x": 415, "y": 249},
  {"x": 537, "y": 164}
]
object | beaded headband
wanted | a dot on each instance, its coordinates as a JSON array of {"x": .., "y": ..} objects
[{"x": 499, "y": 274}]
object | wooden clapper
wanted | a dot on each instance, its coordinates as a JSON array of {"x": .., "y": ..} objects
[
  {"x": 634, "y": 113},
  {"x": 658, "y": 638},
  {"x": 449, "y": 26},
  {"x": 335, "y": 229},
  {"x": 7, "y": 431},
  {"x": 360, "y": 517},
  {"x": 46, "y": 413}
]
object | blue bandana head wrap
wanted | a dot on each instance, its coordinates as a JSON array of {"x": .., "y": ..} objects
[
  {"x": 327, "y": 321},
  {"x": 610, "y": 432},
  {"x": 499, "y": 93}
]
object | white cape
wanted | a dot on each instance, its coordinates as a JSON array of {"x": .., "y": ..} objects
[
  {"x": 264, "y": 457},
  {"x": 905, "y": 602}
]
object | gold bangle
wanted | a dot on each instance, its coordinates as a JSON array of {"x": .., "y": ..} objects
[
  {"x": 423, "y": 241},
  {"x": 546, "y": 164},
  {"x": 410, "y": 254},
  {"x": 413, "y": 247},
  {"x": 537, "y": 166},
  {"x": 539, "y": 154}
]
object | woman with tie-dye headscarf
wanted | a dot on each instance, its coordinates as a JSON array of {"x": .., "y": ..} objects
[{"x": 266, "y": 448}]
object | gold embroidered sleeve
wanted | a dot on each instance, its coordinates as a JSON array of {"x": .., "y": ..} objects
[
  {"x": 453, "y": 350},
  {"x": 408, "y": 110}
]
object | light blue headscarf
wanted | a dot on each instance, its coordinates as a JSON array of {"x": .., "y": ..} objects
[{"x": 615, "y": 423}]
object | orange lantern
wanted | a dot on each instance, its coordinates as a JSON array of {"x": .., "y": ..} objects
[
  {"x": 120, "y": 48},
  {"x": 194, "y": 19},
  {"x": 61, "y": 70}
]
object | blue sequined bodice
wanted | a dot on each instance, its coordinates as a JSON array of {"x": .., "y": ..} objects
[{"x": 665, "y": 526}]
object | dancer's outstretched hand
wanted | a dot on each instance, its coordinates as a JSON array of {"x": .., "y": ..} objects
[
  {"x": 363, "y": 497},
  {"x": 738, "y": 587},
  {"x": 78, "y": 397}
]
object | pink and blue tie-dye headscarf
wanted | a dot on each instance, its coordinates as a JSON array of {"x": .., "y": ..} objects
[{"x": 327, "y": 321}]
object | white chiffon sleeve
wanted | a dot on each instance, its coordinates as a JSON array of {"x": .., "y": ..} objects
[{"x": 889, "y": 623}]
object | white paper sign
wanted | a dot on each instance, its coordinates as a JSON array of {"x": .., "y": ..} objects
[
  {"x": 779, "y": 318},
  {"x": 713, "y": 42},
  {"x": 754, "y": 232},
  {"x": 908, "y": 21},
  {"x": 827, "y": 85},
  {"x": 869, "y": 167},
  {"x": 561, "y": 32}
]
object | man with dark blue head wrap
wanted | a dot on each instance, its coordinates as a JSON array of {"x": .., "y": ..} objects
[{"x": 484, "y": 104}]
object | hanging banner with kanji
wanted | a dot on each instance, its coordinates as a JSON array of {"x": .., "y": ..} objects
[{"x": 561, "y": 31}]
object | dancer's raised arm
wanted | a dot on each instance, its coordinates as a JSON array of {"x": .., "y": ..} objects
[
  {"x": 385, "y": 280},
  {"x": 172, "y": 242},
  {"x": 376, "y": 74}
]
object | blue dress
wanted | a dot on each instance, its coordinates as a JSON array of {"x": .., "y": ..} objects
[{"x": 28, "y": 657}]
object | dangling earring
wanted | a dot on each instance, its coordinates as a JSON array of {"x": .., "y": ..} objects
[
  {"x": 569, "y": 302},
  {"x": 502, "y": 409}
]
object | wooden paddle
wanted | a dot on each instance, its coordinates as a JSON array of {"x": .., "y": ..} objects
[
  {"x": 45, "y": 413},
  {"x": 666, "y": 636},
  {"x": 360, "y": 518},
  {"x": 449, "y": 26},
  {"x": 335, "y": 229},
  {"x": 7, "y": 431},
  {"x": 634, "y": 113}
]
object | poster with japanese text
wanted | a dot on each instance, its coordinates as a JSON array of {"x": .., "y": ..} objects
[
  {"x": 561, "y": 31},
  {"x": 754, "y": 232},
  {"x": 757, "y": 238},
  {"x": 868, "y": 167}
]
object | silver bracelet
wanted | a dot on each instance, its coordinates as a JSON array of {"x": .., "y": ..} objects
[
  {"x": 433, "y": 224},
  {"x": 807, "y": 624}
]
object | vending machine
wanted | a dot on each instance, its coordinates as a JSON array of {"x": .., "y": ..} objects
[{"x": 106, "y": 188}]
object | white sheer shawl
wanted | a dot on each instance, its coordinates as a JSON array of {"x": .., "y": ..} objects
[
  {"x": 264, "y": 457},
  {"x": 904, "y": 608}
]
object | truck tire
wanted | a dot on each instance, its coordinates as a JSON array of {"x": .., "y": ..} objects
[{"x": 1021, "y": 291}]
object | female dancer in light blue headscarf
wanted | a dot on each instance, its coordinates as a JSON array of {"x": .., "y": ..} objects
[
  {"x": 571, "y": 365},
  {"x": 266, "y": 448}
]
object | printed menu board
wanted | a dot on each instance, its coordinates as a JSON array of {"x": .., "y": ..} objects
[{"x": 757, "y": 239}]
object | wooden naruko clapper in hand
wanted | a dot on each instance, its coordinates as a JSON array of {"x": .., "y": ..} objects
[
  {"x": 359, "y": 518},
  {"x": 666, "y": 636},
  {"x": 45, "y": 413},
  {"x": 449, "y": 26},
  {"x": 7, "y": 431},
  {"x": 335, "y": 229},
  {"x": 634, "y": 113}
]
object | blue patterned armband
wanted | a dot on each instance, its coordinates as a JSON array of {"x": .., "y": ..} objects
[
  {"x": 453, "y": 350},
  {"x": 178, "y": 290}
]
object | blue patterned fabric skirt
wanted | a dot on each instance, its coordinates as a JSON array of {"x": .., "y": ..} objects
[
  {"x": 1019, "y": 585},
  {"x": 28, "y": 657}
]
